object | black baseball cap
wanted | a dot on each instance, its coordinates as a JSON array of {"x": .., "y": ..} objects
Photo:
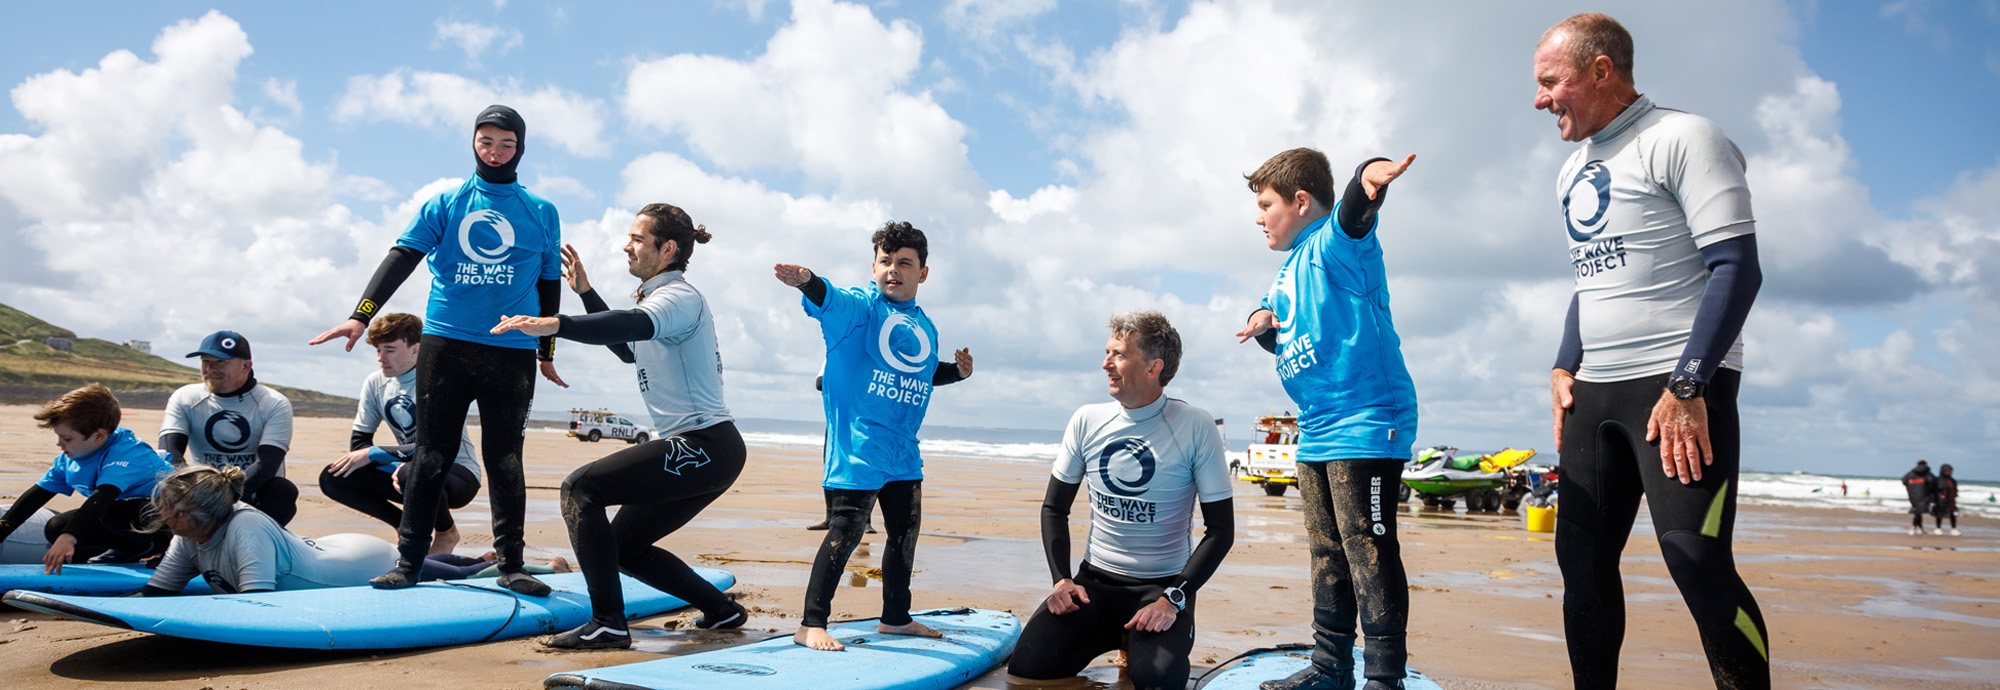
[{"x": 224, "y": 345}]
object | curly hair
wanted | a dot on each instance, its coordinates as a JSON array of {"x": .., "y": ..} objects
[
  {"x": 896, "y": 234},
  {"x": 1156, "y": 339}
]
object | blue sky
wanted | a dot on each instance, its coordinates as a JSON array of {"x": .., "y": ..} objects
[{"x": 1069, "y": 161}]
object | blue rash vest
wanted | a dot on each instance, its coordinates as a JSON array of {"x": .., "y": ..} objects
[
  {"x": 879, "y": 359},
  {"x": 488, "y": 244},
  {"x": 1338, "y": 354},
  {"x": 124, "y": 462}
]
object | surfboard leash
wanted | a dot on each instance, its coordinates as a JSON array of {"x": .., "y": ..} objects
[
  {"x": 511, "y": 613},
  {"x": 1287, "y": 647}
]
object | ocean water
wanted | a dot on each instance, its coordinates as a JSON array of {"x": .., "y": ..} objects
[{"x": 1871, "y": 494}]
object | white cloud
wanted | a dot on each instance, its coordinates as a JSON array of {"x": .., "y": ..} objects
[
  {"x": 285, "y": 94},
  {"x": 449, "y": 101},
  {"x": 981, "y": 19},
  {"x": 571, "y": 187},
  {"x": 476, "y": 39},
  {"x": 831, "y": 98}
]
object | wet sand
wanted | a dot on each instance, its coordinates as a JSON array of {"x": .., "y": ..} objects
[{"x": 1851, "y": 601}]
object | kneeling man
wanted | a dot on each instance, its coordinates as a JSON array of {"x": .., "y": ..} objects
[{"x": 1148, "y": 459}]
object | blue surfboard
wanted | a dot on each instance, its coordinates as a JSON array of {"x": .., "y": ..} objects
[
  {"x": 427, "y": 615},
  {"x": 84, "y": 579},
  {"x": 1277, "y": 662},
  {"x": 974, "y": 642}
]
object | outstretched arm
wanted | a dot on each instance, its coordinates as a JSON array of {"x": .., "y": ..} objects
[
  {"x": 395, "y": 268},
  {"x": 802, "y": 278},
  {"x": 1365, "y": 193}
]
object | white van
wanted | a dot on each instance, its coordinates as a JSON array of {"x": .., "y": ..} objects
[{"x": 597, "y": 425}]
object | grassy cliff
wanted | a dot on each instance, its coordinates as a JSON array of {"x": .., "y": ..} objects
[{"x": 32, "y": 372}]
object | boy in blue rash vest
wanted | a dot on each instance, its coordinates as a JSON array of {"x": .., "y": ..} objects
[
  {"x": 110, "y": 466},
  {"x": 879, "y": 374},
  {"x": 495, "y": 249},
  {"x": 1327, "y": 318}
]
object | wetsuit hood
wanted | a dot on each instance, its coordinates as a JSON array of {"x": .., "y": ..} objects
[{"x": 505, "y": 118}]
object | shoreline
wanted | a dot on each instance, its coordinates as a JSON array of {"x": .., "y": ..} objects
[{"x": 1851, "y": 601}]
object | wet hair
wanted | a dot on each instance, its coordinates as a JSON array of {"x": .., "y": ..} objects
[
  {"x": 669, "y": 222},
  {"x": 1590, "y": 35},
  {"x": 84, "y": 410},
  {"x": 202, "y": 493},
  {"x": 896, "y": 234},
  {"x": 1291, "y": 171},
  {"x": 1156, "y": 339},
  {"x": 394, "y": 328}
]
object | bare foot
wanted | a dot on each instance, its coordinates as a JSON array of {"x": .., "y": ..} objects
[
  {"x": 559, "y": 564},
  {"x": 913, "y": 629},
  {"x": 817, "y": 638},
  {"x": 444, "y": 542},
  {"x": 490, "y": 555}
]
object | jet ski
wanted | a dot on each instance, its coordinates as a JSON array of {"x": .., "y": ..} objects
[{"x": 1486, "y": 482}]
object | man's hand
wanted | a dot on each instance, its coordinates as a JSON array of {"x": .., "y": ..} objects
[
  {"x": 964, "y": 359},
  {"x": 1681, "y": 427},
  {"x": 1561, "y": 383},
  {"x": 1154, "y": 617},
  {"x": 579, "y": 281},
  {"x": 352, "y": 328},
  {"x": 792, "y": 275},
  {"x": 549, "y": 372},
  {"x": 537, "y": 326},
  {"x": 1381, "y": 173},
  {"x": 1260, "y": 321},
  {"x": 347, "y": 464},
  {"x": 396, "y": 481},
  {"x": 1066, "y": 597},
  {"x": 59, "y": 552}
]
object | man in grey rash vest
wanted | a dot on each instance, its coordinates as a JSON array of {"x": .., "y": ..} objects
[
  {"x": 229, "y": 420},
  {"x": 1149, "y": 460},
  {"x": 1657, "y": 216}
]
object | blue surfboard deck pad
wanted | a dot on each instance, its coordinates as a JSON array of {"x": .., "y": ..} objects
[
  {"x": 84, "y": 579},
  {"x": 975, "y": 641},
  {"x": 428, "y": 615},
  {"x": 1282, "y": 661}
]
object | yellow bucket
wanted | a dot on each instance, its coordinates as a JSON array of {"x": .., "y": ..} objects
[{"x": 1540, "y": 519}]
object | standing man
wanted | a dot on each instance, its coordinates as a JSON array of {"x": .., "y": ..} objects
[
  {"x": 228, "y": 420},
  {"x": 1149, "y": 459},
  {"x": 1643, "y": 390},
  {"x": 495, "y": 250},
  {"x": 370, "y": 478}
]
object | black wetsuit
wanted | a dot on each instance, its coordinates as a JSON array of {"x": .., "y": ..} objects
[{"x": 1922, "y": 486}]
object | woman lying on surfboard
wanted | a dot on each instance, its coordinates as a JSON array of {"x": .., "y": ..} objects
[{"x": 238, "y": 549}]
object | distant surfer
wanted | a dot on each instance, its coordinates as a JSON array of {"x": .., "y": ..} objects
[
  {"x": 110, "y": 467},
  {"x": 1946, "y": 504},
  {"x": 661, "y": 484},
  {"x": 1326, "y": 317},
  {"x": 1656, "y": 213},
  {"x": 370, "y": 477},
  {"x": 1148, "y": 460},
  {"x": 230, "y": 420},
  {"x": 494, "y": 249},
  {"x": 881, "y": 366},
  {"x": 238, "y": 549},
  {"x": 1922, "y": 488}
]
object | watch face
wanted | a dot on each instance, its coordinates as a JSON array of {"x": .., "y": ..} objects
[{"x": 1683, "y": 388}]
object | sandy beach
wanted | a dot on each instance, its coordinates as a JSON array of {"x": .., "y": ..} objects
[{"x": 1851, "y": 601}]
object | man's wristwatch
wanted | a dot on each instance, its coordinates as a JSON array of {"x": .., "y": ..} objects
[
  {"x": 1175, "y": 596},
  {"x": 1686, "y": 388}
]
